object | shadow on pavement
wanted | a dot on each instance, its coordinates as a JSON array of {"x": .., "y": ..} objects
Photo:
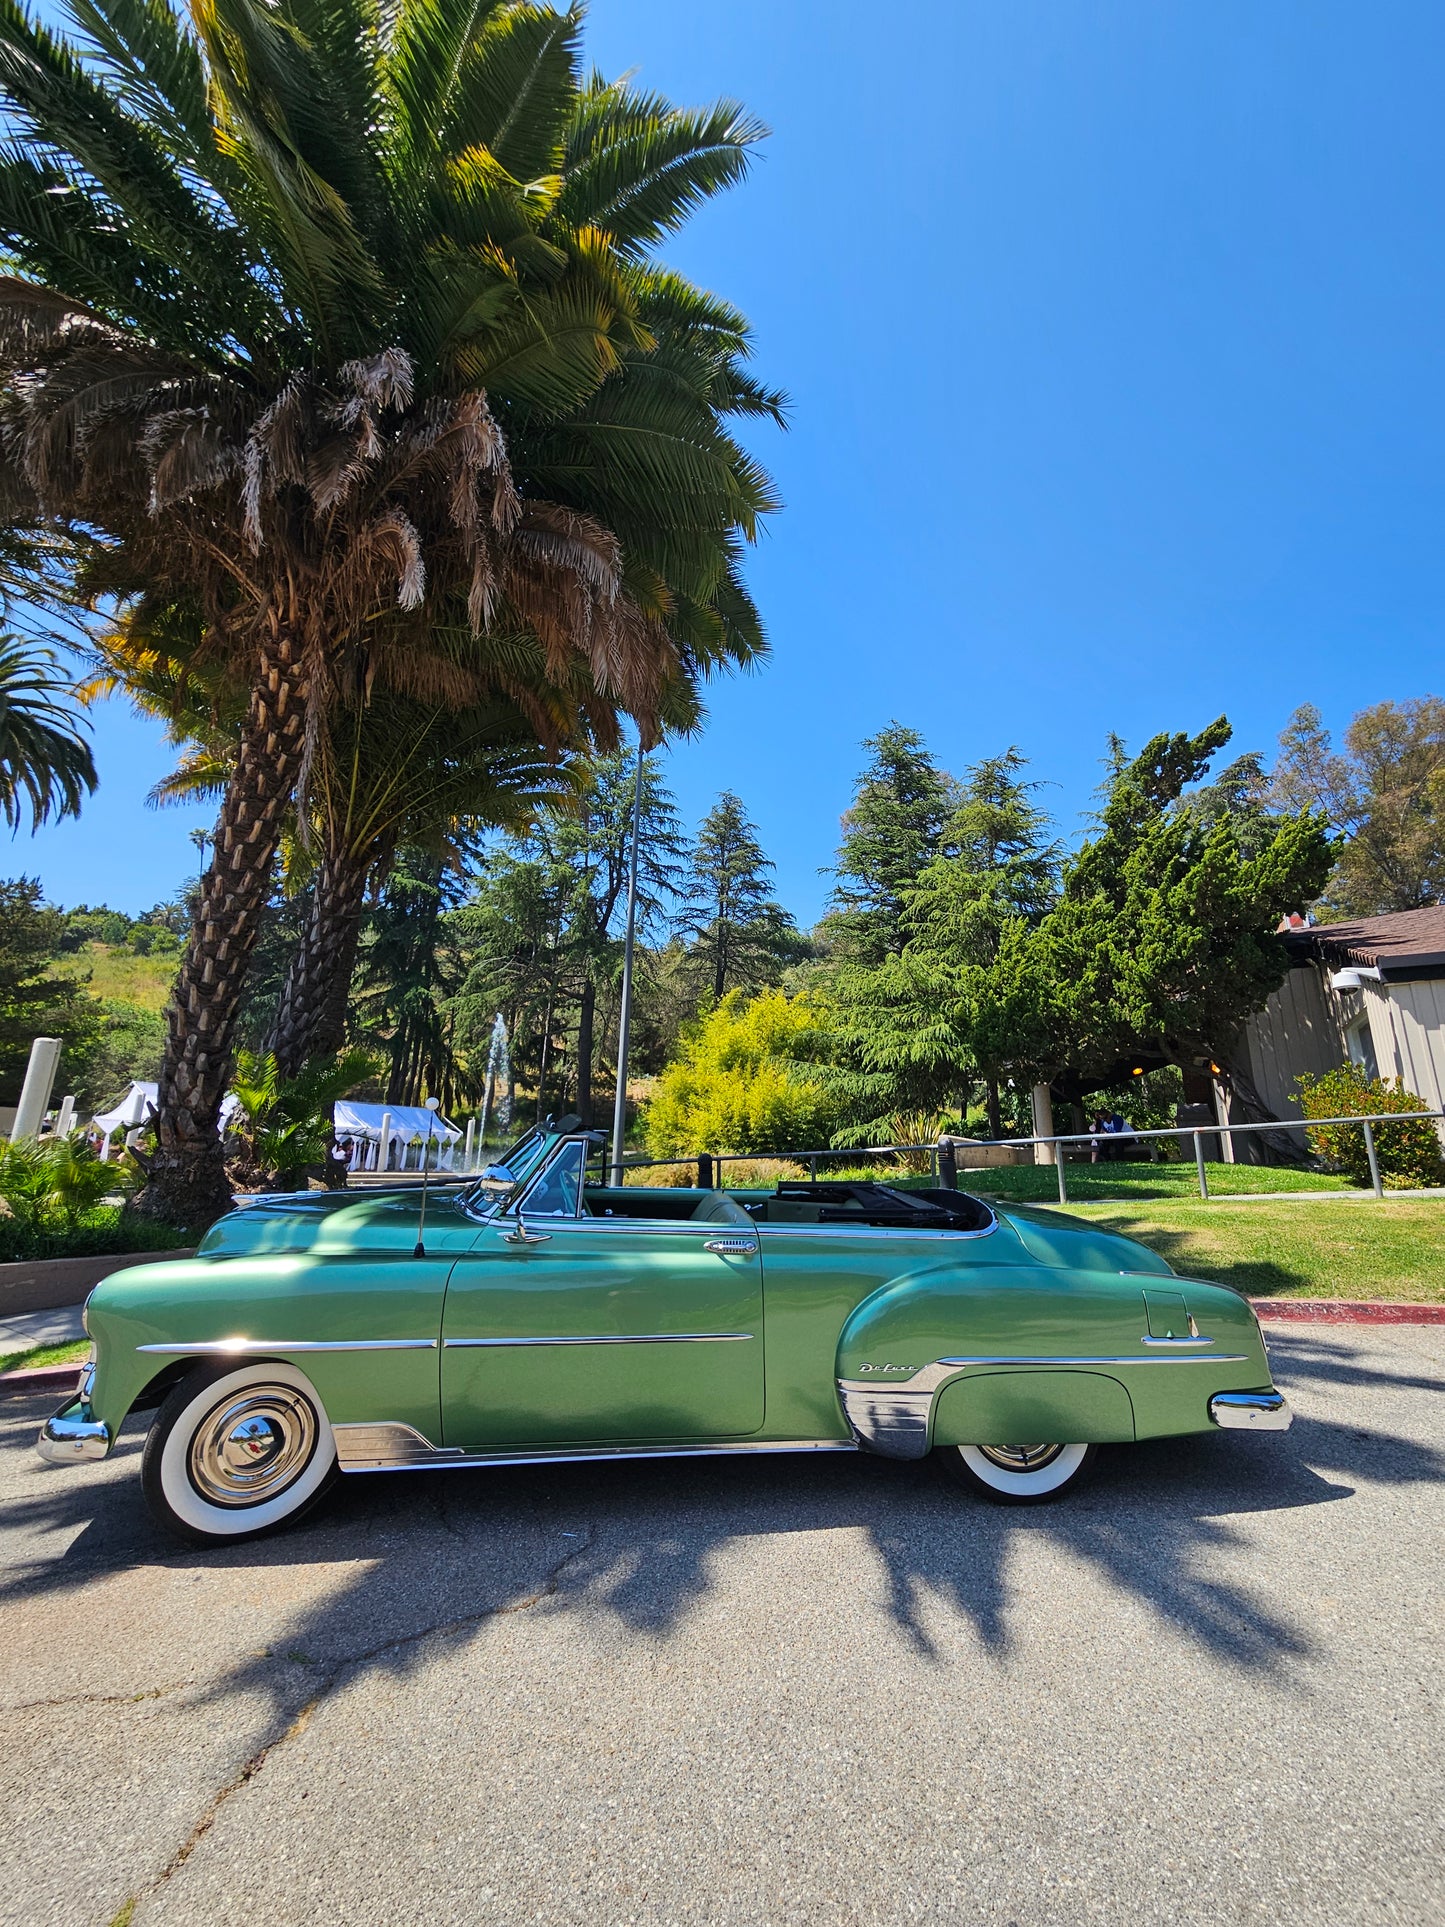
[{"x": 445, "y": 1552}]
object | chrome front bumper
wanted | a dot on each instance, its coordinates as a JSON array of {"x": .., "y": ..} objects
[
  {"x": 1251, "y": 1411},
  {"x": 75, "y": 1433}
]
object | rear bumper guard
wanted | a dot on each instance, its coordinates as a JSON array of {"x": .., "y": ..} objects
[{"x": 1251, "y": 1411}]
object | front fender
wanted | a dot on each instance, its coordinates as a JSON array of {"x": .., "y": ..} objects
[{"x": 366, "y": 1332}]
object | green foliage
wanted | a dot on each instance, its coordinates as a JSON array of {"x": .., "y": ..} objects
[
  {"x": 746, "y": 1080},
  {"x": 542, "y": 931},
  {"x": 1384, "y": 792},
  {"x": 33, "y": 1003},
  {"x": 892, "y": 829},
  {"x": 46, "y": 768},
  {"x": 285, "y": 1122},
  {"x": 991, "y": 874},
  {"x": 1408, "y": 1154},
  {"x": 126, "y": 1042},
  {"x": 740, "y": 938},
  {"x": 1162, "y": 938},
  {"x": 59, "y": 1179}
]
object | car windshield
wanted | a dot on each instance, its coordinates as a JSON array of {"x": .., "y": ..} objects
[{"x": 503, "y": 1179}]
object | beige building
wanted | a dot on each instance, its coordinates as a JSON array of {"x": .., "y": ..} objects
[{"x": 1372, "y": 992}]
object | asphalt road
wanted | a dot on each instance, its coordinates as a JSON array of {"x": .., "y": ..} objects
[{"x": 829, "y": 1690}]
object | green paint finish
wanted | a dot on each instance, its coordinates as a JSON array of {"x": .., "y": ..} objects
[
  {"x": 812, "y": 1303},
  {"x": 1031, "y": 1408},
  {"x": 625, "y": 1286}
]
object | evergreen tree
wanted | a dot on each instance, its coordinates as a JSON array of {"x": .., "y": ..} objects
[
  {"x": 33, "y": 1003},
  {"x": 543, "y": 929},
  {"x": 892, "y": 830},
  {"x": 740, "y": 938},
  {"x": 900, "y": 1051}
]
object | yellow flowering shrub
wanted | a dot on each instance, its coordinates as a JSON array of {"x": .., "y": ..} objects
[{"x": 746, "y": 1080}]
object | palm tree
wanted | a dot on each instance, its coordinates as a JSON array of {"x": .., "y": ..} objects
[
  {"x": 45, "y": 762},
  {"x": 294, "y": 284}
]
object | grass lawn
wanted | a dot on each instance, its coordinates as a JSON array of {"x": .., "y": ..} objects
[
  {"x": 120, "y": 976},
  {"x": 73, "y": 1350},
  {"x": 1039, "y": 1183},
  {"x": 1345, "y": 1249}
]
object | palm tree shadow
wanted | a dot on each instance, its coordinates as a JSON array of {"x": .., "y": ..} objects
[{"x": 644, "y": 1542}]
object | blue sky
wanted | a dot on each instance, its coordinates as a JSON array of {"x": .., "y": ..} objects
[{"x": 1113, "y": 334}]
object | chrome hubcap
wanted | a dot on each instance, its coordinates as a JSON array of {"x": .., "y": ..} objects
[
  {"x": 253, "y": 1445},
  {"x": 1021, "y": 1458}
]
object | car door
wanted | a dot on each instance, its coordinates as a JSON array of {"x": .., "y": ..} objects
[{"x": 560, "y": 1329}]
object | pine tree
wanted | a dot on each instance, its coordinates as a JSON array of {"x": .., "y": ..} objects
[
  {"x": 893, "y": 829},
  {"x": 740, "y": 938},
  {"x": 901, "y": 1050}
]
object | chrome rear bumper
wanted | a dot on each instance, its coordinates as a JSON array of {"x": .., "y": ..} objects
[
  {"x": 1251, "y": 1411},
  {"x": 73, "y": 1434}
]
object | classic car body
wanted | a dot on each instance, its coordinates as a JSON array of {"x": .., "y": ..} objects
[{"x": 551, "y": 1317}]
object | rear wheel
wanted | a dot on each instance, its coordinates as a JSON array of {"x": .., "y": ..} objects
[
  {"x": 236, "y": 1451},
  {"x": 1017, "y": 1474}
]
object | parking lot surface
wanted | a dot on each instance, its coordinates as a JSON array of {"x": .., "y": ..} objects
[{"x": 1206, "y": 1688}]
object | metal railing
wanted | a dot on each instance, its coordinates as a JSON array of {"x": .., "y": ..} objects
[{"x": 943, "y": 1155}]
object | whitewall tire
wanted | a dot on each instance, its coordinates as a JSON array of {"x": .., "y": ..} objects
[
  {"x": 235, "y": 1451},
  {"x": 1017, "y": 1474}
]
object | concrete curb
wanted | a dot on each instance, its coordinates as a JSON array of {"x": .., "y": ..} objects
[
  {"x": 1348, "y": 1311},
  {"x": 41, "y": 1378}
]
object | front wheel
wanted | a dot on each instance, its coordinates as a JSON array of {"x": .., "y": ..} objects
[
  {"x": 236, "y": 1451},
  {"x": 1017, "y": 1474}
]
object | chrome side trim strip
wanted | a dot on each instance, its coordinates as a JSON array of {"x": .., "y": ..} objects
[
  {"x": 401, "y": 1448},
  {"x": 242, "y": 1347},
  {"x": 840, "y": 1229},
  {"x": 602, "y": 1338}
]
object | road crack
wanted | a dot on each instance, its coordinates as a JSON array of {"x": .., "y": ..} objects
[
  {"x": 96, "y": 1699},
  {"x": 248, "y": 1772}
]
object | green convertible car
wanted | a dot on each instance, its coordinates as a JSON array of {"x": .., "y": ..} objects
[{"x": 535, "y": 1315}]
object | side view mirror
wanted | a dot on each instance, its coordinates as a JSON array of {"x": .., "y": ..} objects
[{"x": 497, "y": 1174}]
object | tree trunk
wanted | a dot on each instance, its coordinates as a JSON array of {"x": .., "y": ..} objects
[
  {"x": 584, "y": 1052},
  {"x": 991, "y": 1105},
  {"x": 186, "y": 1177},
  {"x": 311, "y": 1021}
]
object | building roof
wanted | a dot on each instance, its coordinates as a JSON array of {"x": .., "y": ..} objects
[{"x": 1402, "y": 945}]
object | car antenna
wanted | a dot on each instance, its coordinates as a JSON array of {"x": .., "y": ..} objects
[{"x": 433, "y": 1104}]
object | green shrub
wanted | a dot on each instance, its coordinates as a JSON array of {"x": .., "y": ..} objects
[
  {"x": 1409, "y": 1154},
  {"x": 746, "y": 1081},
  {"x": 57, "y": 1181}
]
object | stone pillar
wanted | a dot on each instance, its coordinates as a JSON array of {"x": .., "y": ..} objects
[
  {"x": 1043, "y": 1105},
  {"x": 39, "y": 1082}
]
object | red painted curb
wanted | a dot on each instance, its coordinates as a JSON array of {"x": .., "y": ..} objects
[
  {"x": 41, "y": 1378},
  {"x": 1349, "y": 1311}
]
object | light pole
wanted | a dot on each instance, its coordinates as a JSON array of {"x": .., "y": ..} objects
[{"x": 624, "y": 1019}]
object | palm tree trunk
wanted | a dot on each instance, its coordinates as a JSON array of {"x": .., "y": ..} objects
[
  {"x": 186, "y": 1177},
  {"x": 311, "y": 1020}
]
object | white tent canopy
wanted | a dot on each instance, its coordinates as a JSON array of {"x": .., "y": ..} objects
[
  {"x": 139, "y": 1102},
  {"x": 408, "y": 1128}
]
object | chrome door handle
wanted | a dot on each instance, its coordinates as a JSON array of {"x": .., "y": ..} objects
[
  {"x": 522, "y": 1236},
  {"x": 732, "y": 1247},
  {"x": 1188, "y": 1343}
]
